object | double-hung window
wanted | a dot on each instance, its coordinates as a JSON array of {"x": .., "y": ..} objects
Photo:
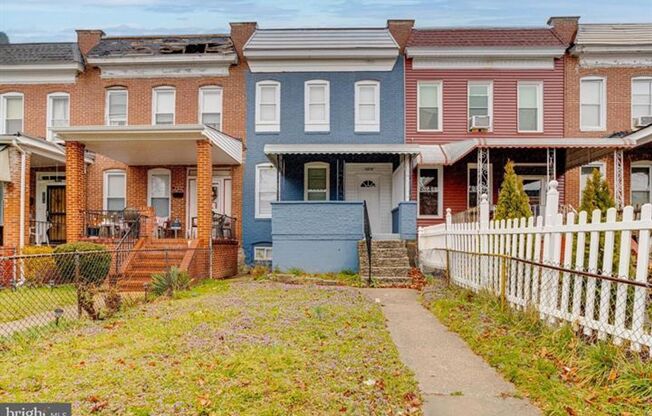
[
  {"x": 317, "y": 105},
  {"x": 480, "y": 97},
  {"x": 265, "y": 189},
  {"x": 58, "y": 112},
  {"x": 586, "y": 171},
  {"x": 210, "y": 107},
  {"x": 641, "y": 183},
  {"x": 159, "y": 191},
  {"x": 316, "y": 180},
  {"x": 11, "y": 113},
  {"x": 593, "y": 110},
  {"x": 268, "y": 106},
  {"x": 641, "y": 97},
  {"x": 429, "y": 99},
  {"x": 367, "y": 106},
  {"x": 430, "y": 192},
  {"x": 116, "y": 107},
  {"x": 115, "y": 190},
  {"x": 530, "y": 106},
  {"x": 163, "y": 104}
]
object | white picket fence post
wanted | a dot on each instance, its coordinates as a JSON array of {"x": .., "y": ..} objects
[
  {"x": 548, "y": 280},
  {"x": 484, "y": 240}
]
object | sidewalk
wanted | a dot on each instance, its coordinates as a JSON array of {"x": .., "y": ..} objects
[{"x": 453, "y": 380}]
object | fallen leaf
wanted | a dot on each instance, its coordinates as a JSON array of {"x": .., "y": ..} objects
[
  {"x": 570, "y": 411},
  {"x": 613, "y": 374}
]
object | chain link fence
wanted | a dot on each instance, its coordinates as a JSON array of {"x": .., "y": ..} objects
[
  {"x": 599, "y": 306},
  {"x": 40, "y": 292}
]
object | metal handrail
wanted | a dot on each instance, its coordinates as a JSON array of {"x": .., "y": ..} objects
[
  {"x": 128, "y": 240},
  {"x": 224, "y": 227},
  {"x": 367, "y": 238}
]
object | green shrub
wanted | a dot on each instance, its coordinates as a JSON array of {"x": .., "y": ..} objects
[
  {"x": 513, "y": 202},
  {"x": 41, "y": 269},
  {"x": 258, "y": 271},
  {"x": 169, "y": 282},
  {"x": 94, "y": 262}
]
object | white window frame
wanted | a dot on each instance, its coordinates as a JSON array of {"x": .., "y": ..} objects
[
  {"x": 107, "y": 107},
  {"x": 268, "y": 126},
  {"x": 601, "y": 166},
  {"x": 159, "y": 171},
  {"x": 200, "y": 94},
  {"x": 631, "y": 98},
  {"x": 539, "y": 89},
  {"x": 317, "y": 126},
  {"x": 257, "y": 190},
  {"x": 48, "y": 121},
  {"x": 440, "y": 105},
  {"x": 3, "y": 115},
  {"x": 603, "y": 104},
  {"x": 490, "y": 195},
  {"x": 267, "y": 253},
  {"x": 367, "y": 126},
  {"x": 640, "y": 164},
  {"x": 105, "y": 191},
  {"x": 155, "y": 92},
  {"x": 316, "y": 165},
  {"x": 490, "y": 99},
  {"x": 440, "y": 202}
]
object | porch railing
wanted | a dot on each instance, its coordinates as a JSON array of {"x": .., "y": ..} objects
[
  {"x": 128, "y": 240},
  {"x": 224, "y": 227},
  {"x": 110, "y": 224},
  {"x": 367, "y": 239},
  {"x": 38, "y": 232}
]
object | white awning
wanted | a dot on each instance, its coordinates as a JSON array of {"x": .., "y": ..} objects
[
  {"x": 155, "y": 145},
  {"x": 274, "y": 150},
  {"x": 43, "y": 153}
]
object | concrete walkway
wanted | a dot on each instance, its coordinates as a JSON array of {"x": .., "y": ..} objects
[{"x": 453, "y": 380}]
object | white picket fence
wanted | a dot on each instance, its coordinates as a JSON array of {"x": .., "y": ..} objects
[{"x": 541, "y": 263}]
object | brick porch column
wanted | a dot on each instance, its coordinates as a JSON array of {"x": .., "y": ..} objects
[
  {"x": 204, "y": 191},
  {"x": 75, "y": 195}
]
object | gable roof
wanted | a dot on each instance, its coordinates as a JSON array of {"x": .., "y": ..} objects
[
  {"x": 485, "y": 37},
  {"x": 621, "y": 34},
  {"x": 39, "y": 53},
  {"x": 332, "y": 38},
  {"x": 172, "y": 45}
]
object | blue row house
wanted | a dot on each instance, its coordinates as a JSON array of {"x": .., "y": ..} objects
[{"x": 325, "y": 125}]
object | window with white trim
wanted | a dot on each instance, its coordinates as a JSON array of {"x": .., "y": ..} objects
[
  {"x": 115, "y": 190},
  {"x": 586, "y": 171},
  {"x": 480, "y": 99},
  {"x": 163, "y": 105},
  {"x": 158, "y": 191},
  {"x": 430, "y": 191},
  {"x": 210, "y": 107},
  {"x": 11, "y": 113},
  {"x": 263, "y": 254},
  {"x": 530, "y": 106},
  {"x": 641, "y": 97},
  {"x": 367, "y": 106},
  {"x": 266, "y": 187},
  {"x": 429, "y": 103},
  {"x": 593, "y": 110},
  {"x": 317, "y": 105},
  {"x": 316, "y": 181},
  {"x": 268, "y": 106},
  {"x": 116, "y": 107},
  {"x": 58, "y": 112},
  {"x": 641, "y": 183}
]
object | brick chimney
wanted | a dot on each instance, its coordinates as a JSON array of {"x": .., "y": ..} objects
[
  {"x": 400, "y": 30},
  {"x": 88, "y": 38},
  {"x": 240, "y": 34},
  {"x": 565, "y": 27}
]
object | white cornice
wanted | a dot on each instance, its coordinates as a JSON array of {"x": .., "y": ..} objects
[
  {"x": 321, "y": 65},
  {"x": 322, "y": 53},
  {"x": 40, "y": 74},
  {"x": 164, "y": 59},
  {"x": 165, "y": 66},
  {"x": 439, "y": 52},
  {"x": 483, "y": 63}
]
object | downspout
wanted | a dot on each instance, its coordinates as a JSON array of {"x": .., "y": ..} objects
[{"x": 23, "y": 162}]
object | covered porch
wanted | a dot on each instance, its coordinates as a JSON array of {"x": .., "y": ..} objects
[
  {"x": 326, "y": 193},
  {"x": 174, "y": 180}
]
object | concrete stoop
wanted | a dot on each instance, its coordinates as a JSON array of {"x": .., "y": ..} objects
[{"x": 390, "y": 261}]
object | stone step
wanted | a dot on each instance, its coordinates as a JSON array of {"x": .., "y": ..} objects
[
  {"x": 400, "y": 271},
  {"x": 386, "y": 262},
  {"x": 391, "y": 280},
  {"x": 382, "y": 244},
  {"x": 385, "y": 252}
]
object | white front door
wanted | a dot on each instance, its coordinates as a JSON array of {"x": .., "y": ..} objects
[
  {"x": 221, "y": 199},
  {"x": 372, "y": 182}
]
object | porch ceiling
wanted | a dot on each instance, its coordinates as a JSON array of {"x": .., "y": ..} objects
[
  {"x": 155, "y": 145},
  {"x": 43, "y": 153},
  {"x": 273, "y": 151}
]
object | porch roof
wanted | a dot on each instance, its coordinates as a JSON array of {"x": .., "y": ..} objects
[
  {"x": 43, "y": 152},
  {"x": 273, "y": 151},
  {"x": 144, "y": 145}
]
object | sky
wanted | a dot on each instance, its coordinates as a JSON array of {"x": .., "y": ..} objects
[{"x": 56, "y": 20}]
